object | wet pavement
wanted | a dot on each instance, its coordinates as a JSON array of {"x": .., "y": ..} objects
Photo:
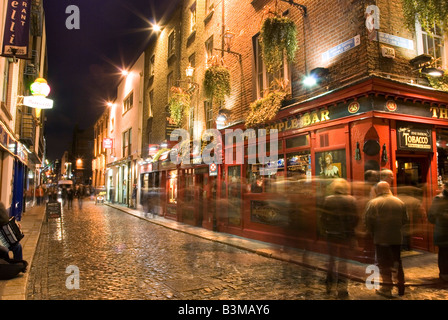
[{"x": 121, "y": 256}]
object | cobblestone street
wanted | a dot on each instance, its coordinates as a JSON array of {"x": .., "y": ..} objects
[{"x": 122, "y": 257}]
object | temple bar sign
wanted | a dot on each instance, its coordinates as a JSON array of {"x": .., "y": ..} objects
[{"x": 416, "y": 139}]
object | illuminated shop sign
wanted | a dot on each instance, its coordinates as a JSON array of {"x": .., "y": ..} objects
[
  {"x": 38, "y": 102},
  {"x": 416, "y": 139},
  {"x": 108, "y": 143}
]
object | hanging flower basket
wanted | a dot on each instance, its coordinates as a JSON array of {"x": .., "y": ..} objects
[
  {"x": 278, "y": 39},
  {"x": 217, "y": 83},
  {"x": 179, "y": 104},
  {"x": 265, "y": 109}
]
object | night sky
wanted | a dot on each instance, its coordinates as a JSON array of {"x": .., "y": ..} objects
[{"x": 84, "y": 63}]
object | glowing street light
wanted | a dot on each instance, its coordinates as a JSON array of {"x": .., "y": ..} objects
[{"x": 156, "y": 27}]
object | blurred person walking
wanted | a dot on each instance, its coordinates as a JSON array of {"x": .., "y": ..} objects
[
  {"x": 438, "y": 215},
  {"x": 339, "y": 220},
  {"x": 385, "y": 217}
]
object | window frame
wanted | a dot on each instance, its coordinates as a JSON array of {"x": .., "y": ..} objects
[
  {"x": 128, "y": 102},
  {"x": 264, "y": 77},
  {"x": 420, "y": 37}
]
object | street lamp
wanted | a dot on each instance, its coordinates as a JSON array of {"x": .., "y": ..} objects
[{"x": 189, "y": 71}]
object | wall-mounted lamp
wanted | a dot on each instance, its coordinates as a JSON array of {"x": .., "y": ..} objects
[
  {"x": 432, "y": 72},
  {"x": 357, "y": 152},
  {"x": 384, "y": 156},
  {"x": 189, "y": 71},
  {"x": 316, "y": 76},
  {"x": 228, "y": 39},
  {"x": 422, "y": 63}
]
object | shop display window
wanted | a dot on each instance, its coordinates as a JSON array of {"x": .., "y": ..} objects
[
  {"x": 234, "y": 195},
  {"x": 442, "y": 157},
  {"x": 172, "y": 185}
]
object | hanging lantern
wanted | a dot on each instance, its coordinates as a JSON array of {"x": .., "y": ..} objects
[{"x": 40, "y": 87}]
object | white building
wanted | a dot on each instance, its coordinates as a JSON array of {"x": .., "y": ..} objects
[
  {"x": 124, "y": 128},
  {"x": 22, "y": 145}
]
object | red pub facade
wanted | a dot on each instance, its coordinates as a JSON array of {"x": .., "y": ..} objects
[{"x": 373, "y": 112}]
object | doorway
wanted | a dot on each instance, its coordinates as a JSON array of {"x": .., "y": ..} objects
[{"x": 412, "y": 189}]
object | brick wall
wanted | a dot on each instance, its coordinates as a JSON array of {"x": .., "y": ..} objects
[{"x": 328, "y": 24}]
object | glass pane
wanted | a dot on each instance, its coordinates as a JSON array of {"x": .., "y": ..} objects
[
  {"x": 299, "y": 165},
  {"x": 300, "y": 141}
]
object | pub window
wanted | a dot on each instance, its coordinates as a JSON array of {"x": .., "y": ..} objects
[
  {"x": 193, "y": 17},
  {"x": 208, "y": 108},
  {"x": 172, "y": 187},
  {"x": 209, "y": 6},
  {"x": 126, "y": 141},
  {"x": 5, "y": 81},
  {"x": 152, "y": 65},
  {"x": 234, "y": 195},
  {"x": 433, "y": 44},
  {"x": 208, "y": 50},
  {"x": 171, "y": 44},
  {"x": 296, "y": 142},
  {"x": 151, "y": 102},
  {"x": 268, "y": 81},
  {"x": 169, "y": 83},
  {"x": 298, "y": 164},
  {"x": 191, "y": 122},
  {"x": 128, "y": 102}
]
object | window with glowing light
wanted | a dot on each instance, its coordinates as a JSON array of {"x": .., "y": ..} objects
[
  {"x": 432, "y": 43},
  {"x": 128, "y": 102},
  {"x": 171, "y": 44},
  {"x": 193, "y": 17},
  {"x": 209, "y": 6},
  {"x": 208, "y": 50},
  {"x": 267, "y": 81},
  {"x": 126, "y": 141},
  {"x": 152, "y": 65}
]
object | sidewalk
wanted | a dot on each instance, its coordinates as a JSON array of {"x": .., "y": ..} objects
[
  {"x": 15, "y": 289},
  {"x": 420, "y": 267}
]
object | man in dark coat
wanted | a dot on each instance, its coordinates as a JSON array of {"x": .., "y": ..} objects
[
  {"x": 339, "y": 219},
  {"x": 385, "y": 217},
  {"x": 438, "y": 215}
]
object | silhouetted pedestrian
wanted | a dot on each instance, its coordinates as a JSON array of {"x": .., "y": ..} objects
[
  {"x": 385, "y": 217},
  {"x": 438, "y": 215},
  {"x": 70, "y": 196},
  {"x": 339, "y": 219}
]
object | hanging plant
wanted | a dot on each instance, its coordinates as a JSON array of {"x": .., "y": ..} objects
[
  {"x": 217, "y": 83},
  {"x": 278, "y": 39},
  {"x": 179, "y": 104},
  {"x": 428, "y": 13},
  {"x": 266, "y": 108}
]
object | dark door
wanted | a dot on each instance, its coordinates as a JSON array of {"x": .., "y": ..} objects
[{"x": 412, "y": 188}]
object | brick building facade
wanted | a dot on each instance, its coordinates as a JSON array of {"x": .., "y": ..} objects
[{"x": 372, "y": 97}]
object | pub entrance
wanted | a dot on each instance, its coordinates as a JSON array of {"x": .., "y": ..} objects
[{"x": 412, "y": 177}]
